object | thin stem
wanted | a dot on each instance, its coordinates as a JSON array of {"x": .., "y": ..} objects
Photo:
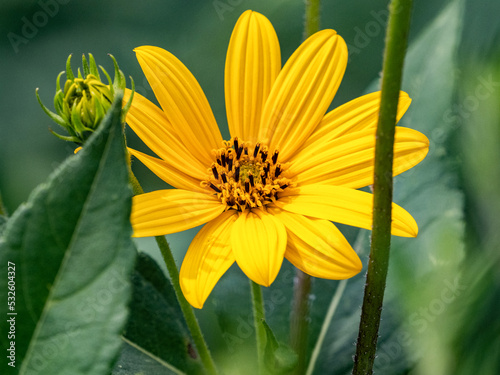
[
  {"x": 326, "y": 324},
  {"x": 136, "y": 186},
  {"x": 311, "y": 18},
  {"x": 186, "y": 308},
  {"x": 299, "y": 322},
  {"x": 259, "y": 317},
  {"x": 396, "y": 41}
]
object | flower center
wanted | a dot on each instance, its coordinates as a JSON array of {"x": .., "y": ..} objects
[{"x": 245, "y": 177}]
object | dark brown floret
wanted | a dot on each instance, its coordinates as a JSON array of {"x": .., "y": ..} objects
[
  {"x": 250, "y": 177},
  {"x": 238, "y": 152},
  {"x": 215, "y": 188},
  {"x": 214, "y": 172},
  {"x": 236, "y": 174},
  {"x": 275, "y": 157},
  {"x": 256, "y": 150},
  {"x": 245, "y": 177},
  {"x": 277, "y": 171},
  {"x": 263, "y": 156}
]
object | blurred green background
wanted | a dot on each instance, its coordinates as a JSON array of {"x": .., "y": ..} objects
[
  {"x": 197, "y": 32},
  {"x": 463, "y": 337}
]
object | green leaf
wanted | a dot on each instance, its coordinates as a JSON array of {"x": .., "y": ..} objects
[
  {"x": 430, "y": 191},
  {"x": 156, "y": 326},
  {"x": 231, "y": 304},
  {"x": 73, "y": 254},
  {"x": 279, "y": 358},
  {"x": 271, "y": 345},
  {"x": 474, "y": 329},
  {"x": 3, "y": 222},
  {"x": 136, "y": 361}
]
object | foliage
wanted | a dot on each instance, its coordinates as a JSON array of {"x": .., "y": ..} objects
[{"x": 71, "y": 278}]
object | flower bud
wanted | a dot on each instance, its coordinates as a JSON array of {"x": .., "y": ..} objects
[{"x": 85, "y": 99}]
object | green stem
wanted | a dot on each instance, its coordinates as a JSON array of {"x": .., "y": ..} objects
[
  {"x": 186, "y": 308},
  {"x": 299, "y": 322},
  {"x": 259, "y": 317},
  {"x": 326, "y": 324},
  {"x": 136, "y": 186},
  {"x": 396, "y": 42},
  {"x": 311, "y": 18}
]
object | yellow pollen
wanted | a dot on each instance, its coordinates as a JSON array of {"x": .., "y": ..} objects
[{"x": 245, "y": 176}]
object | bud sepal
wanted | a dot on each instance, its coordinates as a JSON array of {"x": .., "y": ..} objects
[{"x": 84, "y": 100}]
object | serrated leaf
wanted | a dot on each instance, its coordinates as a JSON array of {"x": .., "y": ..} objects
[
  {"x": 156, "y": 325},
  {"x": 73, "y": 255}
]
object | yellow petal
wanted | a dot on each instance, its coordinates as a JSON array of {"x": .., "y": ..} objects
[
  {"x": 169, "y": 211},
  {"x": 317, "y": 247},
  {"x": 209, "y": 256},
  {"x": 167, "y": 173},
  {"x": 182, "y": 100},
  {"x": 348, "y": 161},
  {"x": 342, "y": 205},
  {"x": 303, "y": 92},
  {"x": 259, "y": 243},
  {"x": 151, "y": 125},
  {"x": 151, "y": 115},
  {"x": 358, "y": 114},
  {"x": 252, "y": 64}
]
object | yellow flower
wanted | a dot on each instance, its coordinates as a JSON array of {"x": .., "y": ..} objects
[{"x": 289, "y": 170}]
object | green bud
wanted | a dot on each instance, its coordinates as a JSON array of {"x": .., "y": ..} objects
[{"x": 84, "y": 100}]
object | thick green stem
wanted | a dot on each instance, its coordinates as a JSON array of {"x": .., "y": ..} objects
[
  {"x": 299, "y": 322},
  {"x": 396, "y": 41},
  {"x": 186, "y": 308},
  {"x": 259, "y": 316}
]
